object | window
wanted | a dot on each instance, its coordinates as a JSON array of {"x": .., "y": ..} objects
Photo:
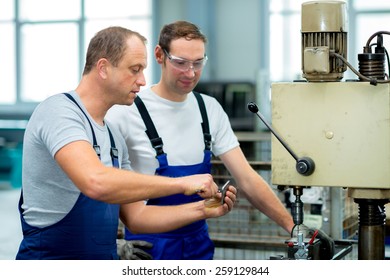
[
  {"x": 7, "y": 53},
  {"x": 43, "y": 42},
  {"x": 285, "y": 38}
]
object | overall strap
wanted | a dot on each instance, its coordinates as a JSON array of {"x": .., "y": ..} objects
[
  {"x": 151, "y": 131},
  {"x": 114, "y": 150},
  {"x": 205, "y": 121}
]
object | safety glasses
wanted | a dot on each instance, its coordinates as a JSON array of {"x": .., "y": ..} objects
[{"x": 184, "y": 65}]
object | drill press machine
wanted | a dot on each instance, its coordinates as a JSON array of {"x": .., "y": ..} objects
[{"x": 342, "y": 127}]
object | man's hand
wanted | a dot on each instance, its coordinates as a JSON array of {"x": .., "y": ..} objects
[
  {"x": 131, "y": 249},
  {"x": 218, "y": 206},
  {"x": 202, "y": 184}
]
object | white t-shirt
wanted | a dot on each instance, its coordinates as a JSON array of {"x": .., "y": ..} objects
[{"x": 179, "y": 126}]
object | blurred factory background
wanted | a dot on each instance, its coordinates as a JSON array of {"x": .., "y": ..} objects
[{"x": 252, "y": 44}]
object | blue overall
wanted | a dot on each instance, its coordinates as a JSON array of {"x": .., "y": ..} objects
[
  {"x": 88, "y": 231},
  {"x": 191, "y": 242}
]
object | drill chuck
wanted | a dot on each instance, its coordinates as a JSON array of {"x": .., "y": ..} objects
[{"x": 297, "y": 212}]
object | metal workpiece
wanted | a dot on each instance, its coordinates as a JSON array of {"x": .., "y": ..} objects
[
  {"x": 223, "y": 189},
  {"x": 302, "y": 253},
  {"x": 303, "y": 248}
]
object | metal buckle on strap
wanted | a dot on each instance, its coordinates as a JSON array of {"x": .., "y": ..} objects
[
  {"x": 207, "y": 141},
  {"x": 157, "y": 144},
  {"x": 114, "y": 152},
  {"x": 97, "y": 150},
  {"x": 114, "y": 157}
]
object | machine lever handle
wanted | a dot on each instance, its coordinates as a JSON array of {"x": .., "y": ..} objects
[{"x": 305, "y": 165}]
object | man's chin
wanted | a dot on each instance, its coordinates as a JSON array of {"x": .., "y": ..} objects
[{"x": 131, "y": 99}]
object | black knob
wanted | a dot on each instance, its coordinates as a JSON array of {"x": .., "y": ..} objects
[
  {"x": 253, "y": 107},
  {"x": 305, "y": 166}
]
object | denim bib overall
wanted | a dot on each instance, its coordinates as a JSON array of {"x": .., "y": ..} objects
[
  {"x": 191, "y": 242},
  {"x": 87, "y": 232}
]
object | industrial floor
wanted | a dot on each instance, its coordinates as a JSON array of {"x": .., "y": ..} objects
[{"x": 10, "y": 231}]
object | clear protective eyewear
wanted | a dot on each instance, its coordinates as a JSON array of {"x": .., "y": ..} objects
[{"x": 184, "y": 65}]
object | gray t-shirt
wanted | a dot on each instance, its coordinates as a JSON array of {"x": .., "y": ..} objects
[{"x": 47, "y": 191}]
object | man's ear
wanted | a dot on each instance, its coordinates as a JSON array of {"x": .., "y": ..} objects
[
  {"x": 103, "y": 67},
  {"x": 159, "y": 54}
]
